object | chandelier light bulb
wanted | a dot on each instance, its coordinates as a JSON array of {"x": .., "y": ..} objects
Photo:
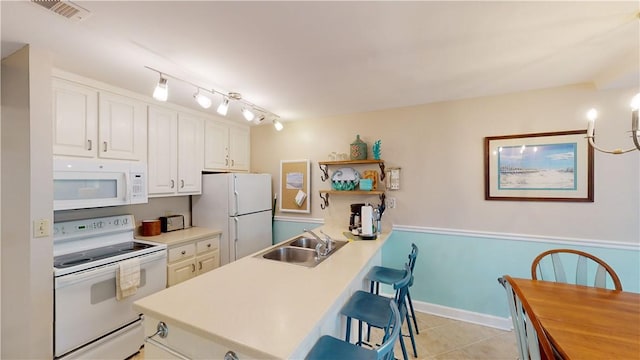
[{"x": 635, "y": 102}]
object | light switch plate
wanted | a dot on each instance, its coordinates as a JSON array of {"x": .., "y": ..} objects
[{"x": 41, "y": 228}]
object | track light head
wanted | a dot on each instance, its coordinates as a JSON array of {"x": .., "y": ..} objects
[
  {"x": 223, "y": 107},
  {"x": 248, "y": 114},
  {"x": 161, "y": 91},
  {"x": 278, "y": 125},
  {"x": 202, "y": 100}
]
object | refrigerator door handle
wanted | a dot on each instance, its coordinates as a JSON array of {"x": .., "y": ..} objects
[
  {"x": 235, "y": 240},
  {"x": 235, "y": 195}
]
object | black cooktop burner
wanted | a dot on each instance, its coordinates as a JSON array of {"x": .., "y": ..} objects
[{"x": 82, "y": 257}]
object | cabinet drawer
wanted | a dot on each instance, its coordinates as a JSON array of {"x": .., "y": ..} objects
[
  {"x": 181, "y": 252},
  {"x": 207, "y": 245}
]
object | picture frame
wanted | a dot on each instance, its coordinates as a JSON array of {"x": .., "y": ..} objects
[
  {"x": 295, "y": 185},
  {"x": 550, "y": 166}
]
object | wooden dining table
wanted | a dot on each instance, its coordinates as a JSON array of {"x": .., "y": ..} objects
[{"x": 586, "y": 322}]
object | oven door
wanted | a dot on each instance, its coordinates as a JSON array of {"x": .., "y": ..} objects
[{"x": 85, "y": 302}]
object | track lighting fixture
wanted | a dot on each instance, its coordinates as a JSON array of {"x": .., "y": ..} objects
[
  {"x": 278, "y": 125},
  {"x": 223, "y": 107},
  {"x": 249, "y": 110},
  {"x": 248, "y": 114},
  {"x": 161, "y": 91},
  {"x": 202, "y": 100}
]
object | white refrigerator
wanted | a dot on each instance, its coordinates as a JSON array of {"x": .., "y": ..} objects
[{"x": 240, "y": 206}]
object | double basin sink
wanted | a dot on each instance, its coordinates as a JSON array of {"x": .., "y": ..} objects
[{"x": 300, "y": 251}]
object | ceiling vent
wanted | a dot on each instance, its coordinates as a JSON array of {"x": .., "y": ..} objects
[{"x": 64, "y": 8}]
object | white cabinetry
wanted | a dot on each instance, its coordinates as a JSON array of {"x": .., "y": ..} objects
[
  {"x": 175, "y": 153},
  {"x": 91, "y": 123},
  {"x": 188, "y": 260},
  {"x": 227, "y": 148}
]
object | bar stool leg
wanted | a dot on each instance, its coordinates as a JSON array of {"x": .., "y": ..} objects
[{"x": 413, "y": 313}]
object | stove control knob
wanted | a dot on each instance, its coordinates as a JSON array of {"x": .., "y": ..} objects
[
  {"x": 116, "y": 222},
  {"x": 125, "y": 221},
  {"x": 99, "y": 224}
]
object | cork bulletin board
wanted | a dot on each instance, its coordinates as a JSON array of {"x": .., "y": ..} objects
[{"x": 294, "y": 186}]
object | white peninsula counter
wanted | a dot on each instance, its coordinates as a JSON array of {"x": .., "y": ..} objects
[{"x": 258, "y": 308}]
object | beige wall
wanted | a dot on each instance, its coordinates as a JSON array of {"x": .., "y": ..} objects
[
  {"x": 440, "y": 150},
  {"x": 27, "y": 287}
]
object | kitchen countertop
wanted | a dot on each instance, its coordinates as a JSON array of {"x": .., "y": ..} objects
[
  {"x": 180, "y": 236},
  {"x": 261, "y": 307}
]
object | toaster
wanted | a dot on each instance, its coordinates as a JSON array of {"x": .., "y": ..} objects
[{"x": 171, "y": 223}]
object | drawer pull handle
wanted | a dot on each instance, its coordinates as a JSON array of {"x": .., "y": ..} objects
[
  {"x": 105, "y": 146},
  {"x": 208, "y": 245},
  {"x": 193, "y": 266},
  {"x": 183, "y": 252},
  {"x": 199, "y": 265},
  {"x": 89, "y": 143}
]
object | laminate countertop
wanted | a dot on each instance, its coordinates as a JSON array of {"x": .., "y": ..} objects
[
  {"x": 260, "y": 307},
  {"x": 181, "y": 236}
]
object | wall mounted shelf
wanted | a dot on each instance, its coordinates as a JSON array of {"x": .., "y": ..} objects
[{"x": 324, "y": 167}]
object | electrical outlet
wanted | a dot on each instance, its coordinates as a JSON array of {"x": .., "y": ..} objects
[
  {"x": 41, "y": 228},
  {"x": 392, "y": 202}
]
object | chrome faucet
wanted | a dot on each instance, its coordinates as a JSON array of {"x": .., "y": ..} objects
[{"x": 325, "y": 246}]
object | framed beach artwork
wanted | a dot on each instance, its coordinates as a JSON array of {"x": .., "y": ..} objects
[
  {"x": 554, "y": 166},
  {"x": 294, "y": 186}
]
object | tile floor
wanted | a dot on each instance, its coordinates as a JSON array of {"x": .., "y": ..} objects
[{"x": 443, "y": 339}]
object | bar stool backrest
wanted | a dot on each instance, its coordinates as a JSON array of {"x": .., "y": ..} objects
[{"x": 385, "y": 350}]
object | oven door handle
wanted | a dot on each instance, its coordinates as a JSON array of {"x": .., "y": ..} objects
[{"x": 73, "y": 278}]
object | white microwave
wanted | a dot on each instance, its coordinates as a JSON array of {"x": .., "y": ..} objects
[{"x": 81, "y": 183}]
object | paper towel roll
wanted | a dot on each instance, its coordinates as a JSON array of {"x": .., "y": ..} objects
[{"x": 367, "y": 220}]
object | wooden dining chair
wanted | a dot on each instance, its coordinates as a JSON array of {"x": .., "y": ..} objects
[
  {"x": 531, "y": 339},
  {"x": 549, "y": 266}
]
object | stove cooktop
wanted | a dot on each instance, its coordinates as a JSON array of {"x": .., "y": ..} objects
[{"x": 87, "y": 256}]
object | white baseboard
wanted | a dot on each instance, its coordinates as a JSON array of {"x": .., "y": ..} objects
[{"x": 461, "y": 315}]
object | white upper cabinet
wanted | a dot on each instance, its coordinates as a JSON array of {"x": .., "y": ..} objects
[
  {"x": 190, "y": 153},
  {"x": 91, "y": 123},
  {"x": 175, "y": 153},
  {"x": 226, "y": 147},
  {"x": 239, "y": 148},
  {"x": 163, "y": 151},
  {"x": 75, "y": 119},
  {"x": 122, "y": 127}
]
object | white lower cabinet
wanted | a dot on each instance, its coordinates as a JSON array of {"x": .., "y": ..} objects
[
  {"x": 175, "y": 153},
  {"x": 187, "y": 260}
]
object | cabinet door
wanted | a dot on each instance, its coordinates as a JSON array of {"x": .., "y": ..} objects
[
  {"x": 162, "y": 154},
  {"x": 207, "y": 262},
  {"x": 181, "y": 271},
  {"x": 216, "y": 146},
  {"x": 239, "y": 148},
  {"x": 190, "y": 153},
  {"x": 75, "y": 119},
  {"x": 122, "y": 128}
]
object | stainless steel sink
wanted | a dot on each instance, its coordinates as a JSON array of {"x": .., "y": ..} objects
[
  {"x": 304, "y": 242},
  {"x": 299, "y": 251}
]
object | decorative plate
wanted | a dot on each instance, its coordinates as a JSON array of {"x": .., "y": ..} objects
[{"x": 345, "y": 179}]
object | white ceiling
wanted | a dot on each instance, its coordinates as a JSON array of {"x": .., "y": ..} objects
[{"x": 306, "y": 60}]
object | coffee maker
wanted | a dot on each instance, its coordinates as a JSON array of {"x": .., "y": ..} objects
[{"x": 355, "y": 219}]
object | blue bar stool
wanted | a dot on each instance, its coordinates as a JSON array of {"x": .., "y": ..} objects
[
  {"x": 385, "y": 275},
  {"x": 328, "y": 347},
  {"x": 371, "y": 309}
]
